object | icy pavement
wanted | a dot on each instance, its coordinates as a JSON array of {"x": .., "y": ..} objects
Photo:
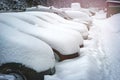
[{"x": 89, "y": 65}]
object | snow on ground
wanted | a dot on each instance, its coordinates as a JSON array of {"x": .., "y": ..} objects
[
  {"x": 110, "y": 39},
  {"x": 88, "y": 66},
  {"x": 99, "y": 58}
]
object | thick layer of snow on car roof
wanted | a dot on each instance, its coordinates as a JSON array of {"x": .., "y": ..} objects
[
  {"x": 39, "y": 8},
  {"x": 99, "y": 15},
  {"x": 50, "y": 9},
  {"x": 62, "y": 42},
  {"x": 21, "y": 48},
  {"x": 110, "y": 39},
  {"x": 55, "y": 19},
  {"x": 70, "y": 24},
  {"x": 41, "y": 23},
  {"x": 79, "y": 15}
]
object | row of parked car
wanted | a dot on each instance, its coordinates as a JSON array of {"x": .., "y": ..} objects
[{"x": 31, "y": 42}]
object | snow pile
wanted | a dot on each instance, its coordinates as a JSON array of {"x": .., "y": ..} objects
[
  {"x": 78, "y": 69},
  {"x": 60, "y": 41},
  {"x": 110, "y": 39},
  {"x": 21, "y": 48}
]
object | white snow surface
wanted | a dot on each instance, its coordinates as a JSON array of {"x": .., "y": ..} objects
[
  {"x": 87, "y": 67},
  {"x": 110, "y": 39},
  {"x": 60, "y": 41},
  {"x": 99, "y": 58},
  {"x": 41, "y": 23},
  {"x": 18, "y": 47},
  {"x": 57, "y": 20},
  {"x": 79, "y": 15}
]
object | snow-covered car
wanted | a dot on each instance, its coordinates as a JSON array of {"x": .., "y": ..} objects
[
  {"x": 50, "y": 9},
  {"x": 41, "y": 23},
  {"x": 79, "y": 16},
  {"x": 66, "y": 24},
  {"x": 63, "y": 44},
  {"x": 23, "y": 56},
  {"x": 77, "y": 7}
]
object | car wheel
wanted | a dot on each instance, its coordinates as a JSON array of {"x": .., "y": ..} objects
[
  {"x": 52, "y": 71},
  {"x": 20, "y": 72}
]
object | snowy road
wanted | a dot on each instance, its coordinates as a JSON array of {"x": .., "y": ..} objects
[{"x": 89, "y": 66}]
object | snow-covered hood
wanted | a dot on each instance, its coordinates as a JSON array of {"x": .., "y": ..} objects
[
  {"x": 27, "y": 50},
  {"x": 60, "y": 41}
]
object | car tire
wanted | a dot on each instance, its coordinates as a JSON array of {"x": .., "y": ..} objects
[
  {"x": 20, "y": 72},
  {"x": 52, "y": 71}
]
